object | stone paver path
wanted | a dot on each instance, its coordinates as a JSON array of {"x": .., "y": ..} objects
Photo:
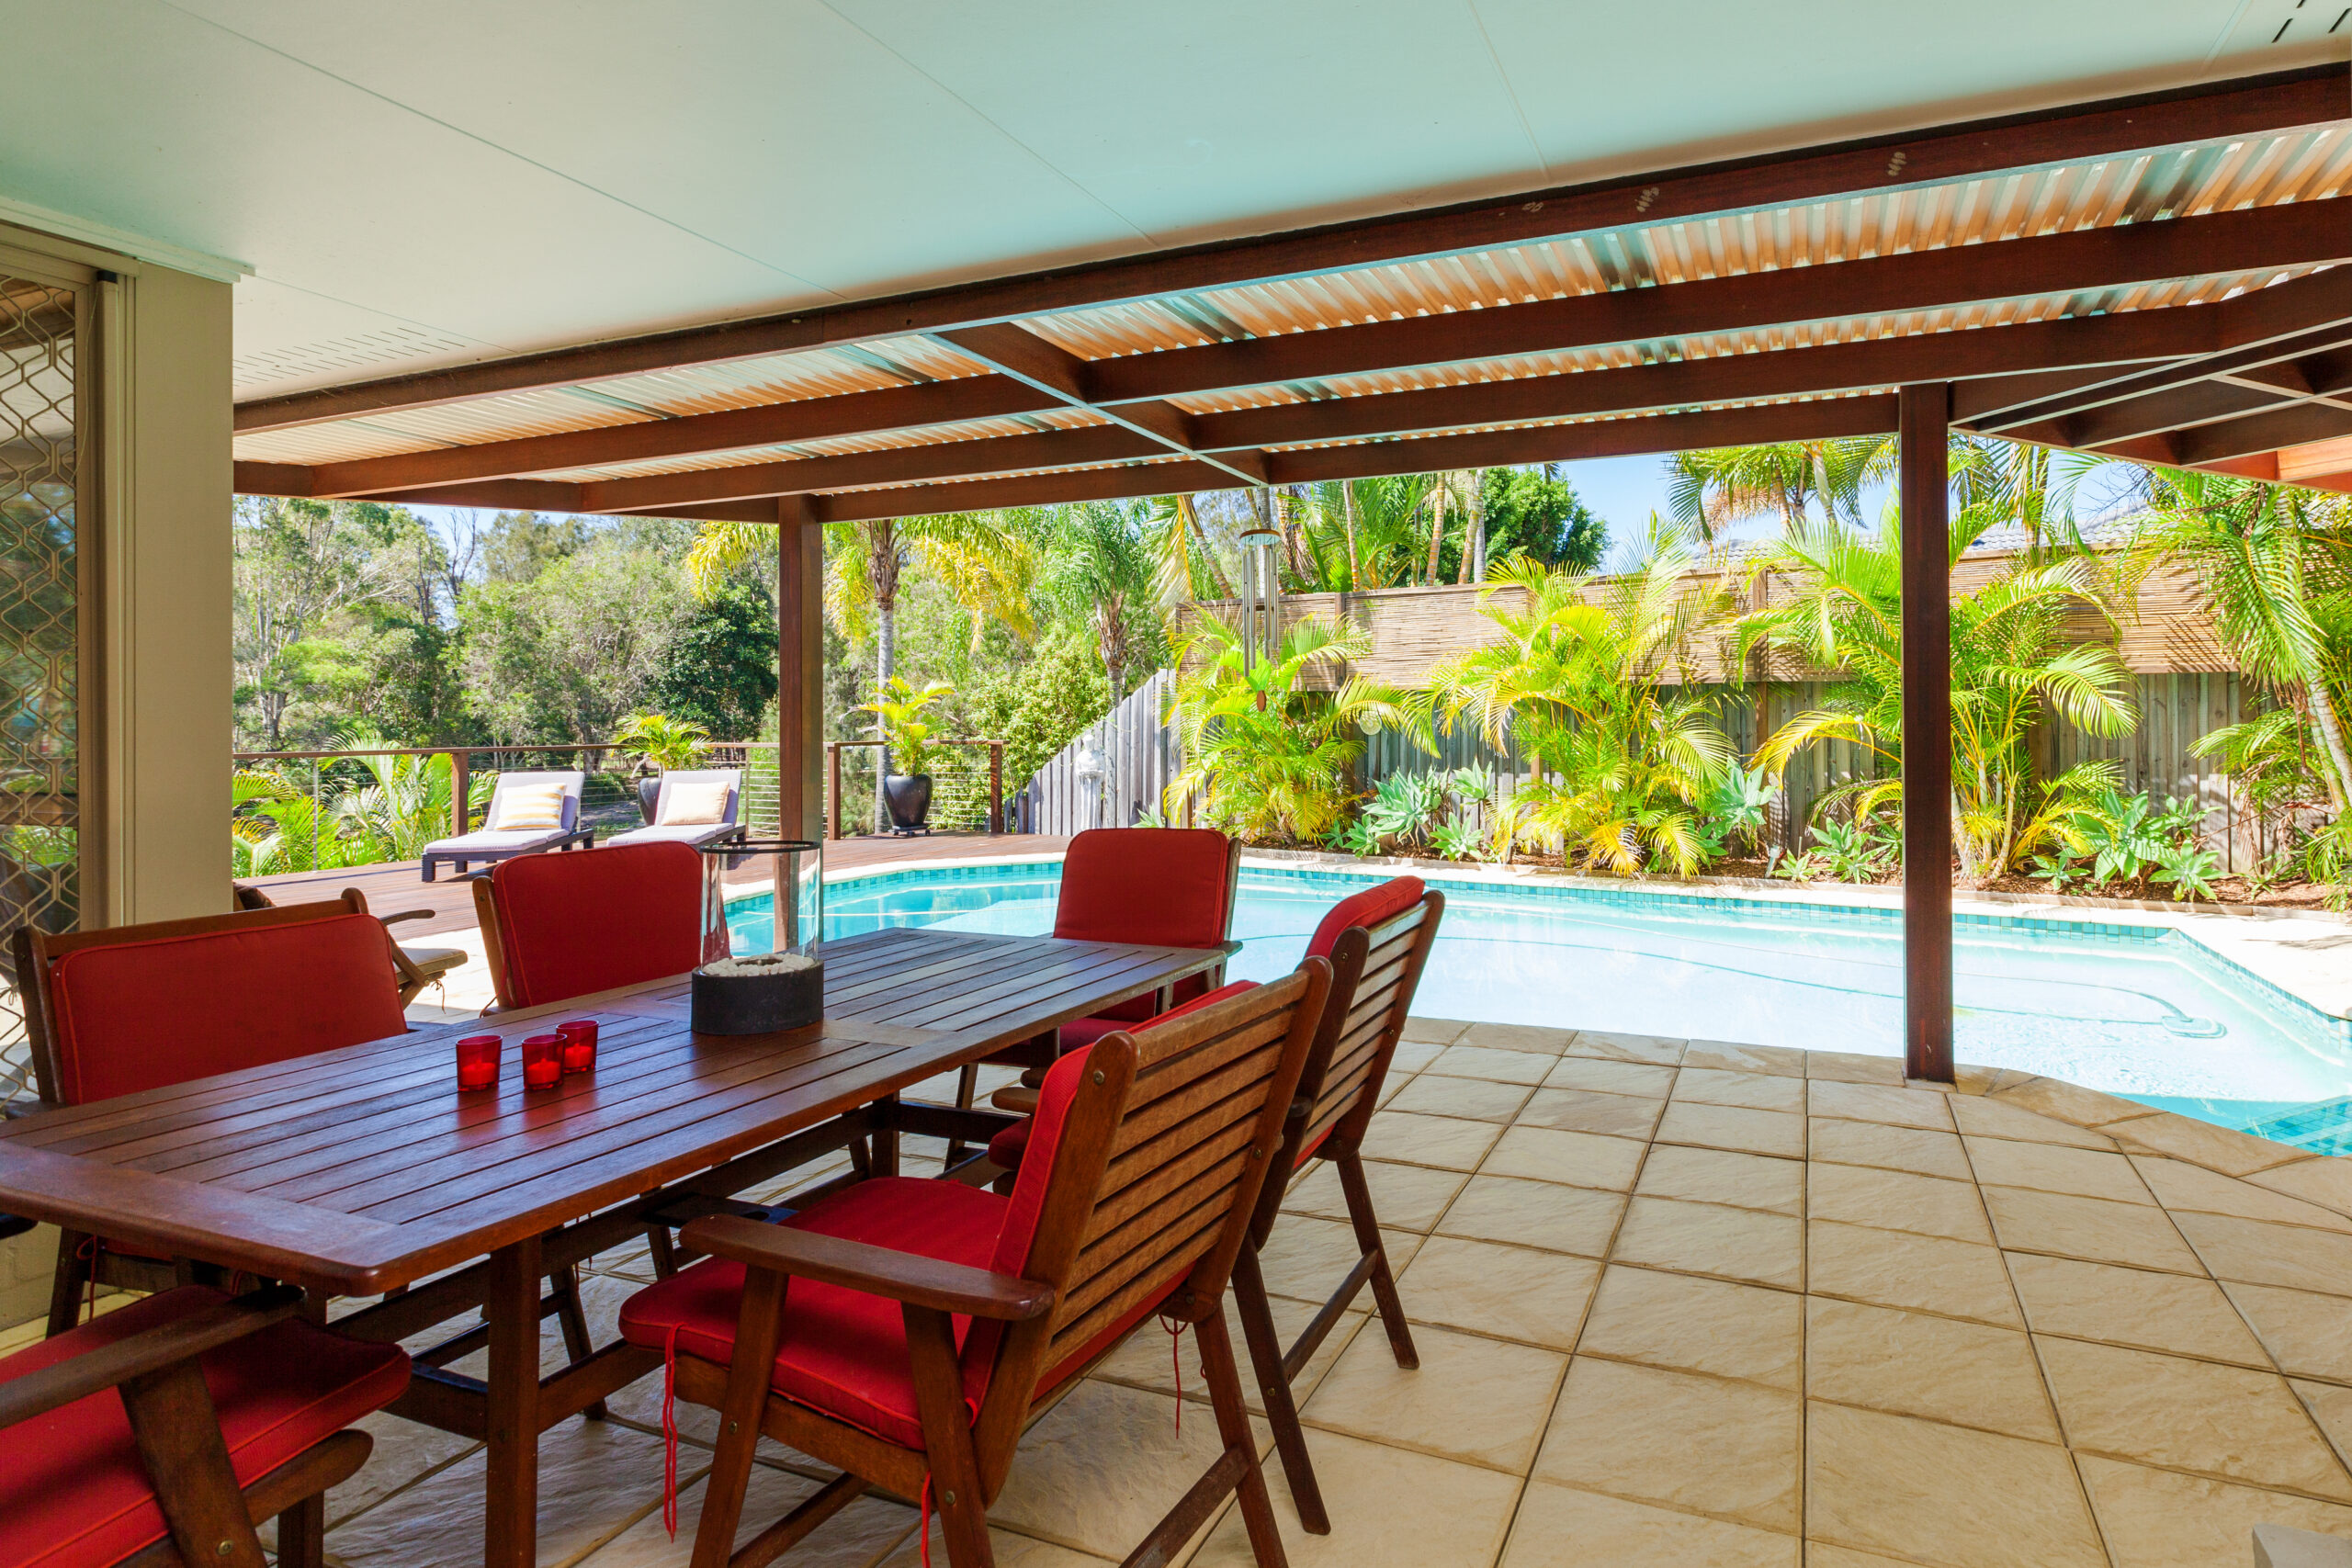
[{"x": 1677, "y": 1304}]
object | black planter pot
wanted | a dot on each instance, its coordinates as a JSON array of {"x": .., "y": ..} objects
[
  {"x": 649, "y": 796},
  {"x": 909, "y": 797}
]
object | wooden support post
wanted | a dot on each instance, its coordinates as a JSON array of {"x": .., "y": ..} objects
[
  {"x": 996, "y": 786},
  {"x": 460, "y": 785},
  {"x": 833, "y": 789},
  {"x": 1923, "y": 420},
  {"x": 800, "y": 675}
]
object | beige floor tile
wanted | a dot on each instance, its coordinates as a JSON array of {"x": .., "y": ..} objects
[
  {"x": 1988, "y": 1118},
  {"x": 1405, "y": 1197},
  {"x": 1757, "y": 1091},
  {"x": 1559, "y": 1527},
  {"x": 1480, "y": 1401},
  {"x": 1305, "y": 1258},
  {"x": 1611, "y": 1077},
  {"x": 2071, "y": 1102},
  {"x": 1897, "y": 1201},
  {"x": 2091, "y": 1228},
  {"x": 1459, "y": 1061},
  {"x": 1432, "y": 1031},
  {"x": 1512, "y": 1292},
  {"x": 404, "y": 1452},
  {"x": 1689, "y": 1323},
  {"x": 1411, "y": 1055},
  {"x": 1970, "y": 1374},
  {"x": 596, "y": 1478},
  {"x": 1920, "y": 1274},
  {"x": 1517, "y": 1037},
  {"x": 2055, "y": 1168},
  {"x": 1480, "y": 1099},
  {"x": 1821, "y": 1554},
  {"x": 1451, "y": 1143},
  {"x": 1654, "y": 1049},
  {"x": 1776, "y": 1059},
  {"x": 1102, "y": 1467},
  {"x": 2307, "y": 1333},
  {"x": 1012, "y": 1551},
  {"x": 2224, "y": 1149},
  {"x": 1894, "y": 1106},
  {"x": 1943, "y": 1495},
  {"x": 2264, "y": 1254},
  {"x": 1731, "y": 1127},
  {"x": 2159, "y": 1519},
  {"x": 1589, "y": 1110},
  {"x": 866, "y": 1529},
  {"x": 2328, "y": 1183},
  {"x": 1700, "y": 1443},
  {"x": 2179, "y": 1314},
  {"x": 2230, "y": 1422},
  {"x": 1854, "y": 1066},
  {"x": 1535, "y": 1213},
  {"x": 2331, "y": 1407},
  {"x": 1581, "y": 1159},
  {"x": 1389, "y": 1507},
  {"x": 1721, "y": 1176},
  {"x": 1708, "y": 1238},
  {"x": 1914, "y": 1149},
  {"x": 2181, "y": 1186},
  {"x": 1147, "y": 1358}
]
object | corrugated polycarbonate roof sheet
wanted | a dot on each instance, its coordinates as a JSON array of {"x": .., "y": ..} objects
[{"x": 874, "y": 441}]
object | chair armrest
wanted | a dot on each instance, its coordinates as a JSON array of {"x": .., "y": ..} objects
[
  {"x": 1018, "y": 1098},
  {"x": 406, "y": 915},
  {"x": 878, "y": 1271},
  {"x": 37, "y": 1394}
]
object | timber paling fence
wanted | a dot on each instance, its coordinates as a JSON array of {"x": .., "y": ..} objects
[{"x": 1113, "y": 775}]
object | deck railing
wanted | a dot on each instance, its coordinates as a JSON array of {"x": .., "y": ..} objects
[{"x": 966, "y": 794}]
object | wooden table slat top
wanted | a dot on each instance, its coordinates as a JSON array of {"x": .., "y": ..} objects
[{"x": 356, "y": 1169}]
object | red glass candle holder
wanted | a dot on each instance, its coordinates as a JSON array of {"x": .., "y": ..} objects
[
  {"x": 478, "y": 1061},
  {"x": 542, "y": 1061},
  {"x": 579, "y": 1036}
]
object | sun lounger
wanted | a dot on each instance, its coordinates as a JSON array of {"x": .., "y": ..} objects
[
  {"x": 689, "y": 809},
  {"x": 519, "y": 822}
]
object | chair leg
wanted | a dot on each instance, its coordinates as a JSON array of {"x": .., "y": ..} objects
[
  {"x": 665, "y": 1255},
  {"x": 1383, "y": 1282},
  {"x": 303, "y": 1533},
  {"x": 1233, "y": 1426},
  {"x": 72, "y": 1277},
  {"x": 563, "y": 1284},
  {"x": 1282, "y": 1411},
  {"x": 947, "y": 1437},
  {"x": 968, "y": 1086}
]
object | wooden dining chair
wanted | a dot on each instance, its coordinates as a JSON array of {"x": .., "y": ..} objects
[
  {"x": 1165, "y": 887},
  {"x": 166, "y": 1431},
  {"x": 906, "y": 1331},
  {"x": 555, "y": 927},
  {"x": 135, "y": 1007},
  {"x": 1377, "y": 943}
]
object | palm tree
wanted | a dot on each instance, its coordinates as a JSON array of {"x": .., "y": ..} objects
[
  {"x": 2274, "y": 565},
  {"x": 1578, "y": 680},
  {"x": 1099, "y": 569},
  {"x": 1709, "y": 490},
  {"x": 987, "y": 559},
  {"x": 2012, "y": 659},
  {"x": 1357, "y": 533}
]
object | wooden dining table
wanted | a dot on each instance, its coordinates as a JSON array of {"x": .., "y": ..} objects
[{"x": 362, "y": 1171}]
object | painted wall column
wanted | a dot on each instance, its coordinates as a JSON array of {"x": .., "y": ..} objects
[
  {"x": 800, "y": 671},
  {"x": 1923, "y": 420}
]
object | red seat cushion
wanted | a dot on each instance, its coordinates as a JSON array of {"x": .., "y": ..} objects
[
  {"x": 1367, "y": 908},
  {"x": 1007, "y": 1148},
  {"x": 73, "y": 1491},
  {"x": 139, "y": 1015},
  {"x": 589, "y": 920},
  {"x": 1161, "y": 886}
]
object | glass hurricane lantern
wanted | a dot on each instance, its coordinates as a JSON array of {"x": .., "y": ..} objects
[{"x": 764, "y": 925}]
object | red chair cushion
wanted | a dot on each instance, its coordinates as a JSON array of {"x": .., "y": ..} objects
[
  {"x": 1367, "y": 908},
  {"x": 1007, "y": 1148},
  {"x": 73, "y": 1491},
  {"x": 1163, "y": 887},
  {"x": 139, "y": 1015},
  {"x": 584, "y": 920}
]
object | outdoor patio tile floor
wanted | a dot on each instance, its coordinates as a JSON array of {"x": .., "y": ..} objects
[{"x": 1793, "y": 1312}]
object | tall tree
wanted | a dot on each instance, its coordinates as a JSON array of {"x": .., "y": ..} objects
[{"x": 1714, "y": 489}]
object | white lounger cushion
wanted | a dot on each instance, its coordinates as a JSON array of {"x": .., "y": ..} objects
[
  {"x": 493, "y": 838},
  {"x": 684, "y": 833}
]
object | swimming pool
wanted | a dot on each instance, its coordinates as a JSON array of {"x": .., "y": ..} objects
[{"x": 2143, "y": 1011}]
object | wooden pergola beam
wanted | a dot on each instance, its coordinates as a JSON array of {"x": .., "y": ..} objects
[
  {"x": 1871, "y": 166},
  {"x": 899, "y": 465}
]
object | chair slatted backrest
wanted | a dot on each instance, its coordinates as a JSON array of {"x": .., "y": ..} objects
[
  {"x": 1366, "y": 1015},
  {"x": 132, "y": 1007},
  {"x": 1153, "y": 1175}
]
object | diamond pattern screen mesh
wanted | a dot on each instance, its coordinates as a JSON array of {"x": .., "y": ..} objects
[{"x": 39, "y": 748}]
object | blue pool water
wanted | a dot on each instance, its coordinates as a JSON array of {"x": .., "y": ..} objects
[{"x": 2132, "y": 1011}]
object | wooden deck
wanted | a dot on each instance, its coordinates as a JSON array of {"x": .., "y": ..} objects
[{"x": 396, "y": 886}]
